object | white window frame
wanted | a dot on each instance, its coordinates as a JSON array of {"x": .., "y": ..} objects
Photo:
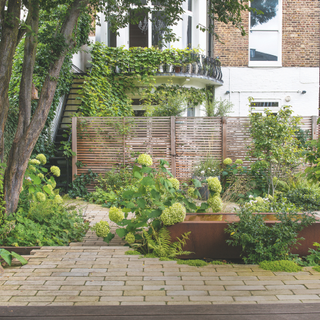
[
  {"x": 262, "y": 109},
  {"x": 268, "y": 63}
]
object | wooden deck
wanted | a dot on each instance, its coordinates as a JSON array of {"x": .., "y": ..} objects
[{"x": 308, "y": 311}]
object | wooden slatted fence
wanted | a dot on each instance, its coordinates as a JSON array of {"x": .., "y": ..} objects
[{"x": 104, "y": 143}]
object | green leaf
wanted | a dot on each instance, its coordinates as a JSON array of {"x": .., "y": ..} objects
[
  {"x": 146, "y": 170},
  {"x": 109, "y": 237},
  {"x": 128, "y": 194},
  {"x": 31, "y": 190},
  {"x": 121, "y": 232},
  {"x": 155, "y": 194},
  {"x": 141, "y": 203},
  {"x": 154, "y": 214},
  {"x": 147, "y": 181},
  {"x": 137, "y": 175},
  {"x": 19, "y": 258},
  {"x": 44, "y": 169},
  {"x": 47, "y": 190},
  {"x": 196, "y": 183},
  {"x": 156, "y": 224},
  {"x": 6, "y": 256}
]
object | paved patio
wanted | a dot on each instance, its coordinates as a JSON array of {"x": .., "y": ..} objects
[{"x": 87, "y": 273}]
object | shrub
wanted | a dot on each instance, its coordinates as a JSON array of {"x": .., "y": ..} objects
[
  {"x": 307, "y": 198},
  {"x": 174, "y": 214},
  {"x": 281, "y": 265},
  {"x": 78, "y": 185},
  {"x": 260, "y": 242},
  {"x": 101, "y": 229},
  {"x": 115, "y": 214}
]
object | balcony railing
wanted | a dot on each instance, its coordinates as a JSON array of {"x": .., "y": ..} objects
[{"x": 200, "y": 65}]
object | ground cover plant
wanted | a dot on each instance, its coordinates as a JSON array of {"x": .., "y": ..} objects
[
  {"x": 41, "y": 218},
  {"x": 281, "y": 265}
]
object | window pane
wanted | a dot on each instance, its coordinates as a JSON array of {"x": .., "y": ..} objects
[
  {"x": 138, "y": 33},
  {"x": 270, "y": 19},
  {"x": 264, "y": 46},
  {"x": 190, "y": 5},
  {"x": 112, "y": 37},
  {"x": 189, "y": 32},
  {"x": 191, "y": 112},
  {"x": 158, "y": 27}
]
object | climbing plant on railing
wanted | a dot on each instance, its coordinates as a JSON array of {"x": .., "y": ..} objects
[{"x": 117, "y": 73}]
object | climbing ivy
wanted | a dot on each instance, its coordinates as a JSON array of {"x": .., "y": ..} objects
[
  {"x": 46, "y": 52},
  {"x": 118, "y": 73}
]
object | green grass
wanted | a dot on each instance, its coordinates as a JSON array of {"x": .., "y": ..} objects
[{"x": 280, "y": 265}]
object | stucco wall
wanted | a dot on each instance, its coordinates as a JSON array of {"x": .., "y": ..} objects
[{"x": 271, "y": 84}]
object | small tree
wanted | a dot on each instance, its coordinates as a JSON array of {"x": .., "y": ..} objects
[{"x": 274, "y": 143}]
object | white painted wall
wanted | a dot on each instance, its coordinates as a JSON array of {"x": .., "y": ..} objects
[{"x": 271, "y": 84}]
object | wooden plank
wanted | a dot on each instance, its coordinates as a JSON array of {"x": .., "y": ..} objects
[
  {"x": 74, "y": 146},
  {"x": 173, "y": 146}
]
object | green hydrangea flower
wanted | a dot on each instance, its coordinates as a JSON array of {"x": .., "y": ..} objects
[
  {"x": 130, "y": 238},
  {"x": 190, "y": 192},
  {"x": 174, "y": 214},
  {"x": 55, "y": 171},
  {"x": 175, "y": 183},
  {"x": 215, "y": 203},
  {"x": 53, "y": 183},
  {"x": 238, "y": 162},
  {"x": 34, "y": 161},
  {"x": 227, "y": 161},
  {"x": 41, "y": 196},
  {"x": 49, "y": 186},
  {"x": 58, "y": 199},
  {"x": 101, "y": 229},
  {"x": 145, "y": 159},
  {"x": 259, "y": 200},
  {"x": 214, "y": 184},
  {"x": 40, "y": 175},
  {"x": 116, "y": 214},
  {"x": 32, "y": 168},
  {"x": 42, "y": 158}
]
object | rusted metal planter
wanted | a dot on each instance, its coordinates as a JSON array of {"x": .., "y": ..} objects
[
  {"x": 208, "y": 239},
  {"x": 21, "y": 250}
]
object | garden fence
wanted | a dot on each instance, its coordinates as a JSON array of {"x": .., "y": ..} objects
[{"x": 104, "y": 143}]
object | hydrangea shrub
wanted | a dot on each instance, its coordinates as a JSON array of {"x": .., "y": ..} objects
[
  {"x": 174, "y": 214},
  {"x": 101, "y": 229},
  {"x": 116, "y": 214}
]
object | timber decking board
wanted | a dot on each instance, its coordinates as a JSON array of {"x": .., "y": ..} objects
[{"x": 310, "y": 311}]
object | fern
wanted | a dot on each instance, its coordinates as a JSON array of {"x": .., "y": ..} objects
[{"x": 159, "y": 243}]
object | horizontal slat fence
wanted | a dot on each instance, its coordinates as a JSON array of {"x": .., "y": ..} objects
[{"x": 104, "y": 143}]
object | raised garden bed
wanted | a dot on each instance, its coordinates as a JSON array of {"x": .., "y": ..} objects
[{"x": 208, "y": 239}]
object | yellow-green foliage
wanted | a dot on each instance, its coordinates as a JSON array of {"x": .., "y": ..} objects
[
  {"x": 130, "y": 238},
  {"x": 227, "y": 161},
  {"x": 280, "y": 265},
  {"x": 214, "y": 184},
  {"x": 217, "y": 262},
  {"x": 317, "y": 268},
  {"x": 132, "y": 253},
  {"x": 116, "y": 214},
  {"x": 101, "y": 229},
  {"x": 174, "y": 214},
  {"x": 175, "y": 183},
  {"x": 215, "y": 203},
  {"x": 193, "y": 263}
]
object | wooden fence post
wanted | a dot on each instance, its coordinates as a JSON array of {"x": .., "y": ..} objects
[
  {"x": 224, "y": 137},
  {"x": 74, "y": 146},
  {"x": 314, "y": 127},
  {"x": 173, "y": 146}
]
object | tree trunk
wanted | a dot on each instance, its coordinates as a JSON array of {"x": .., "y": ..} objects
[
  {"x": 25, "y": 140},
  {"x": 8, "y": 44}
]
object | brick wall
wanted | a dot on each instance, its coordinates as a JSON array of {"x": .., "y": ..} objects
[{"x": 300, "y": 37}]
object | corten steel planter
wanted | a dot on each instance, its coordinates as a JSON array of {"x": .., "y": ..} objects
[
  {"x": 208, "y": 239},
  {"x": 21, "y": 250}
]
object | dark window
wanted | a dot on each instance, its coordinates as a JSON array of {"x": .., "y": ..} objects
[
  {"x": 191, "y": 112},
  {"x": 139, "y": 113},
  {"x": 189, "y": 5},
  {"x": 138, "y": 33},
  {"x": 264, "y": 104},
  {"x": 189, "y": 33},
  {"x": 158, "y": 28},
  {"x": 112, "y": 37}
]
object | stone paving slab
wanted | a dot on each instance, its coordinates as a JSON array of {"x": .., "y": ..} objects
[{"x": 95, "y": 283}]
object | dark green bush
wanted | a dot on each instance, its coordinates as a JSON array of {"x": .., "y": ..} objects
[
  {"x": 79, "y": 184},
  {"x": 307, "y": 198},
  {"x": 45, "y": 224},
  {"x": 261, "y": 242}
]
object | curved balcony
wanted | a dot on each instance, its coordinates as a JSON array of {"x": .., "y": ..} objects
[{"x": 201, "y": 67}]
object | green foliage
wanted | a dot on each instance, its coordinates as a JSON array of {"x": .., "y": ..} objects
[
  {"x": 159, "y": 243},
  {"x": 218, "y": 108},
  {"x": 209, "y": 167},
  {"x": 217, "y": 262},
  {"x": 48, "y": 48},
  {"x": 313, "y": 158},
  {"x": 307, "y": 198},
  {"x": 132, "y": 253},
  {"x": 78, "y": 185},
  {"x": 101, "y": 229},
  {"x": 193, "y": 263},
  {"x": 317, "y": 268},
  {"x": 281, "y": 265},
  {"x": 214, "y": 201},
  {"x": 261, "y": 242},
  {"x": 46, "y": 223},
  {"x": 313, "y": 258},
  {"x": 7, "y": 257},
  {"x": 274, "y": 143}
]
